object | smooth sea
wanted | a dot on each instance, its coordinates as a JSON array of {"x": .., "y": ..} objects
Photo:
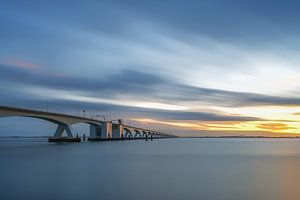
[{"x": 166, "y": 169}]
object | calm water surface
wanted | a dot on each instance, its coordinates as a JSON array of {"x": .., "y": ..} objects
[{"x": 165, "y": 169}]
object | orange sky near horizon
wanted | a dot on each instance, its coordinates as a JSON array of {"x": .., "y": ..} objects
[{"x": 277, "y": 120}]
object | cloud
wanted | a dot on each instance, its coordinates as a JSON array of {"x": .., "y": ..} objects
[
  {"x": 24, "y": 64},
  {"x": 138, "y": 39},
  {"x": 164, "y": 59},
  {"x": 275, "y": 127},
  {"x": 196, "y": 116},
  {"x": 136, "y": 86},
  {"x": 118, "y": 111},
  {"x": 127, "y": 81},
  {"x": 228, "y": 98}
]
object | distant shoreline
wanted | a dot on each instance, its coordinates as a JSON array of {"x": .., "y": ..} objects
[
  {"x": 237, "y": 137},
  {"x": 24, "y": 136},
  {"x": 190, "y": 137}
]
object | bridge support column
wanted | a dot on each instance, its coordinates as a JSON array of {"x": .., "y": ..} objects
[
  {"x": 95, "y": 131},
  {"x": 60, "y": 130},
  {"x": 106, "y": 130},
  {"x": 117, "y": 132},
  {"x": 58, "y": 136},
  {"x": 101, "y": 132}
]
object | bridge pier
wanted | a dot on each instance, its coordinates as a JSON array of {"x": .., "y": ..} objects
[
  {"x": 102, "y": 132},
  {"x": 60, "y": 130},
  {"x": 58, "y": 136},
  {"x": 117, "y": 131},
  {"x": 106, "y": 130},
  {"x": 95, "y": 131}
]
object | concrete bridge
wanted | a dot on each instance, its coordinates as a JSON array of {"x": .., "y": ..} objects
[{"x": 99, "y": 130}]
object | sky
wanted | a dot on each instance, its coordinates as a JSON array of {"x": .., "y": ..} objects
[{"x": 191, "y": 68}]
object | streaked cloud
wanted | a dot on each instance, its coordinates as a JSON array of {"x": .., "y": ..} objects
[
  {"x": 148, "y": 89},
  {"x": 275, "y": 127},
  {"x": 199, "y": 65},
  {"x": 21, "y": 64}
]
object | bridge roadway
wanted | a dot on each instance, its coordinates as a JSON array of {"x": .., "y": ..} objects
[{"x": 99, "y": 130}]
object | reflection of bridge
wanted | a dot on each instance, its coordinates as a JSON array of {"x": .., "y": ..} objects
[{"x": 99, "y": 130}]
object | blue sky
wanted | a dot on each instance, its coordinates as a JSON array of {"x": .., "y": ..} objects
[{"x": 190, "y": 67}]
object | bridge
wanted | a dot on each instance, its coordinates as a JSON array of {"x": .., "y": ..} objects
[{"x": 99, "y": 130}]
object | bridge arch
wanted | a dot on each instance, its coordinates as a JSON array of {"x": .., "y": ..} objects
[
  {"x": 154, "y": 134},
  {"x": 127, "y": 133},
  {"x": 150, "y": 134},
  {"x": 145, "y": 134},
  {"x": 137, "y": 134},
  {"x": 62, "y": 127},
  {"x": 35, "y": 117}
]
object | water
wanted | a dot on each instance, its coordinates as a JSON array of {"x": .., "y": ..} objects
[{"x": 162, "y": 169}]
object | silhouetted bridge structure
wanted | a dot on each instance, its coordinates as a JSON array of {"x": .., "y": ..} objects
[{"x": 99, "y": 130}]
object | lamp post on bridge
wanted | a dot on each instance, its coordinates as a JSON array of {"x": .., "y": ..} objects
[{"x": 47, "y": 105}]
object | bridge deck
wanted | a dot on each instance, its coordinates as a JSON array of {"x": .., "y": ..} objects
[{"x": 40, "y": 112}]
